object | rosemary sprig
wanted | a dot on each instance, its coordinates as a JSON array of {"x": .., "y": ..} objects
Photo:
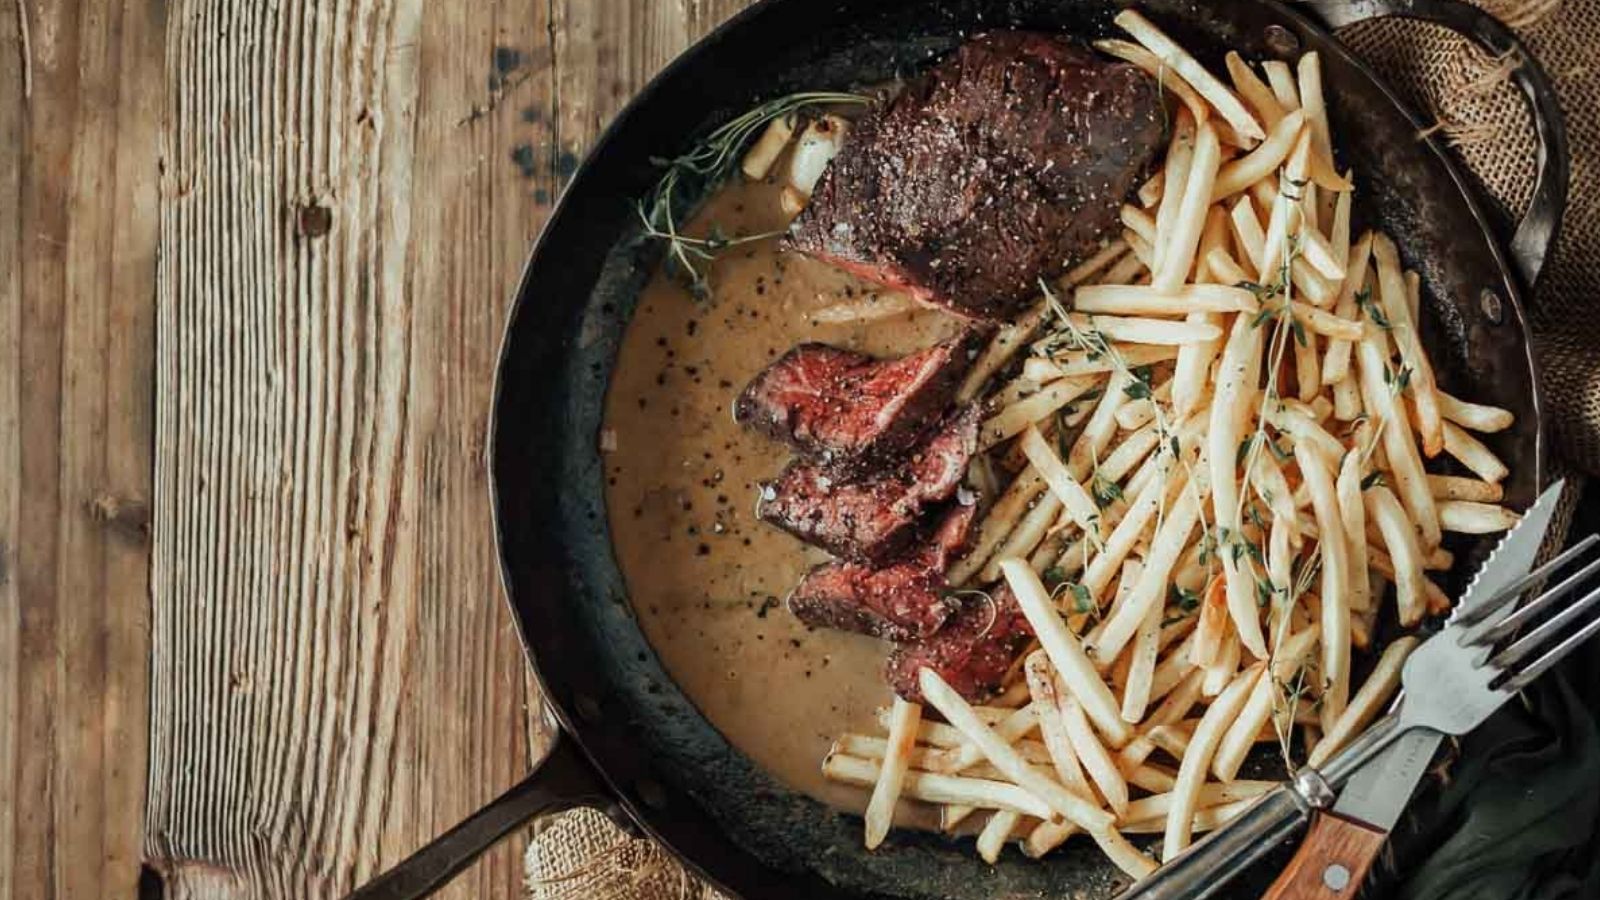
[{"x": 704, "y": 166}]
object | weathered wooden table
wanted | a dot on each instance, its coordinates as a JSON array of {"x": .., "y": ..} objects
[{"x": 254, "y": 261}]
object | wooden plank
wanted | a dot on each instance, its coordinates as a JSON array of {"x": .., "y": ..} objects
[
  {"x": 345, "y": 211},
  {"x": 79, "y": 138}
]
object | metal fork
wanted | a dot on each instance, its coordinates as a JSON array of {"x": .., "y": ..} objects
[{"x": 1452, "y": 682}]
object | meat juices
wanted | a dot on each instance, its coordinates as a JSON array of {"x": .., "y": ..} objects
[{"x": 1001, "y": 165}]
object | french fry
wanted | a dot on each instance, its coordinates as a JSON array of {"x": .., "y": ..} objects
[
  {"x": 1316, "y": 111},
  {"x": 992, "y": 839},
  {"x": 1010, "y": 421},
  {"x": 1136, "y": 414},
  {"x": 1368, "y": 702},
  {"x": 903, "y": 721},
  {"x": 1470, "y": 517},
  {"x": 761, "y": 156},
  {"x": 1404, "y": 463},
  {"x": 1137, "y": 330},
  {"x": 1173, "y": 56},
  {"x": 1165, "y": 75},
  {"x": 1042, "y": 688},
  {"x": 1151, "y": 587},
  {"x": 1281, "y": 77},
  {"x": 1336, "y": 362},
  {"x": 1474, "y": 416},
  {"x": 950, "y": 789},
  {"x": 1335, "y": 581},
  {"x": 1141, "y": 512},
  {"x": 1142, "y": 658},
  {"x": 1261, "y": 162},
  {"x": 1424, "y": 391},
  {"x": 1149, "y": 193},
  {"x": 1193, "y": 368},
  {"x": 1140, "y": 222},
  {"x": 1126, "y": 271},
  {"x": 1009, "y": 725},
  {"x": 1096, "y": 760},
  {"x": 1353, "y": 513},
  {"x": 1210, "y": 794},
  {"x": 1147, "y": 300},
  {"x": 1223, "y": 668},
  {"x": 1211, "y": 624},
  {"x": 1066, "y": 654},
  {"x": 1237, "y": 374},
  {"x": 1079, "y": 363},
  {"x": 994, "y": 527},
  {"x": 1074, "y": 497},
  {"x": 1414, "y": 295},
  {"x": 1208, "y": 819},
  {"x": 1247, "y": 233},
  {"x": 1060, "y": 801},
  {"x": 1455, "y": 487},
  {"x": 1307, "y": 368},
  {"x": 1264, "y": 697},
  {"x": 1176, "y": 254},
  {"x": 1254, "y": 91},
  {"x": 1192, "y": 771},
  {"x": 1032, "y": 528},
  {"x": 1134, "y": 448},
  {"x": 1405, "y": 555},
  {"x": 1172, "y": 671},
  {"x": 1471, "y": 452},
  {"x": 1171, "y": 739}
]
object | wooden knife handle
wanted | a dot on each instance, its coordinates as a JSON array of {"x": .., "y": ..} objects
[{"x": 1332, "y": 862}]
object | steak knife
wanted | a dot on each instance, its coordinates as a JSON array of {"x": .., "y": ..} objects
[{"x": 1333, "y": 860}]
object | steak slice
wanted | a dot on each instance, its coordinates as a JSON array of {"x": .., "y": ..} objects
[
  {"x": 902, "y": 601},
  {"x": 1001, "y": 165},
  {"x": 849, "y": 409},
  {"x": 870, "y": 517},
  {"x": 972, "y": 652}
]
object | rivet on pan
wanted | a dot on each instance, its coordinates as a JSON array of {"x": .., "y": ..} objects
[
  {"x": 1336, "y": 877},
  {"x": 1493, "y": 309},
  {"x": 588, "y": 707},
  {"x": 651, "y": 793},
  {"x": 1281, "y": 41}
]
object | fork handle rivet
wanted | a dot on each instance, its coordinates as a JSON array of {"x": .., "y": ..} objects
[{"x": 1336, "y": 877}]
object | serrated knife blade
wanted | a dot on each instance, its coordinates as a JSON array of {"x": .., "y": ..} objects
[{"x": 1378, "y": 792}]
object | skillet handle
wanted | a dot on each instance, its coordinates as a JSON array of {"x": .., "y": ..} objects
[
  {"x": 565, "y": 779},
  {"x": 1536, "y": 233}
]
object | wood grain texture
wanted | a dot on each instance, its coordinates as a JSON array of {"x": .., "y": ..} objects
[
  {"x": 345, "y": 211},
  {"x": 1331, "y": 842},
  {"x": 79, "y": 127}
]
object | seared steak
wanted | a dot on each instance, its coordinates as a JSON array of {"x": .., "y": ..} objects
[
  {"x": 902, "y": 601},
  {"x": 1001, "y": 165},
  {"x": 846, "y": 408},
  {"x": 872, "y": 516},
  {"x": 971, "y": 652}
]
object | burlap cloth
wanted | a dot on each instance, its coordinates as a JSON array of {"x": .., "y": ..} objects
[{"x": 1465, "y": 92}]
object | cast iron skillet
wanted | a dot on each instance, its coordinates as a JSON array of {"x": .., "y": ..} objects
[{"x": 631, "y": 743}]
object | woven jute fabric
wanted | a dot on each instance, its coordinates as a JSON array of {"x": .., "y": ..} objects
[{"x": 1467, "y": 96}]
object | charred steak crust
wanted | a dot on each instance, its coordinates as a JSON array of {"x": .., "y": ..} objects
[
  {"x": 972, "y": 652},
  {"x": 1001, "y": 165},
  {"x": 874, "y": 516},
  {"x": 902, "y": 601},
  {"x": 850, "y": 410}
]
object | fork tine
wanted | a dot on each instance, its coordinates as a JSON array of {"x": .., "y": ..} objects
[
  {"x": 1545, "y": 601},
  {"x": 1525, "y": 677},
  {"x": 1532, "y": 641},
  {"x": 1474, "y": 617}
]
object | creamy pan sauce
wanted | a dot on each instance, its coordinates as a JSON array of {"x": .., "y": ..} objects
[{"x": 706, "y": 578}]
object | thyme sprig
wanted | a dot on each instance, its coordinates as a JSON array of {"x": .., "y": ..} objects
[{"x": 703, "y": 167}]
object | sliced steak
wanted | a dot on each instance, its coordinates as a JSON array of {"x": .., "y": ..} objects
[
  {"x": 870, "y": 517},
  {"x": 901, "y": 601},
  {"x": 1001, "y": 165},
  {"x": 848, "y": 409},
  {"x": 972, "y": 652}
]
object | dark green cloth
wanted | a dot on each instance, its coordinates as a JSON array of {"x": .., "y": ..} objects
[
  {"x": 1514, "y": 818},
  {"x": 1515, "y": 813}
]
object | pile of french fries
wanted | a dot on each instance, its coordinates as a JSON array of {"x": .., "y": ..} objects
[{"x": 1209, "y": 471}]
